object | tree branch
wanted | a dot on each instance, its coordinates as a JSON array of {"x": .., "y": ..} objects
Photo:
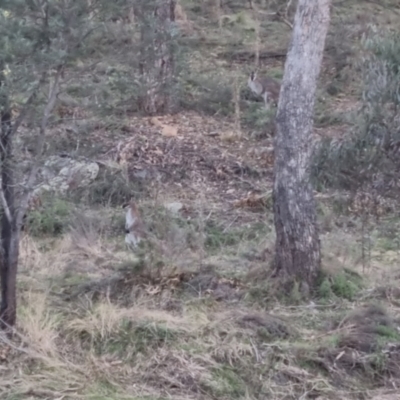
[
  {"x": 22, "y": 115},
  {"x": 285, "y": 20},
  {"x": 54, "y": 89},
  {"x": 289, "y": 3},
  {"x": 5, "y": 206}
]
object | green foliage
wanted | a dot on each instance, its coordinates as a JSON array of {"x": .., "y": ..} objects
[
  {"x": 227, "y": 382},
  {"x": 276, "y": 73},
  {"x": 333, "y": 340},
  {"x": 344, "y": 287},
  {"x": 210, "y": 94},
  {"x": 51, "y": 219},
  {"x": 132, "y": 267},
  {"x": 324, "y": 118},
  {"x": 258, "y": 119},
  {"x": 388, "y": 332},
  {"x": 379, "y": 363},
  {"x": 217, "y": 237},
  {"x": 112, "y": 187},
  {"x": 48, "y": 43},
  {"x": 325, "y": 289},
  {"x": 388, "y": 237},
  {"x": 130, "y": 339},
  {"x": 73, "y": 279},
  {"x": 344, "y": 284},
  {"x": 384, "y": 47},
  {"x": 295, "y": 296},
  {"x": 260, "y": 293},
  {"x": 368, "y": 156},
  {"x": 133, "y": 78}
]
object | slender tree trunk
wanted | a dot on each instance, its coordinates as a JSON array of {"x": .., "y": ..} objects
[
  {"x": 297, "y": 247},
  {"x": 9, "y": 228},
  {"x": 157, "y": 64}
]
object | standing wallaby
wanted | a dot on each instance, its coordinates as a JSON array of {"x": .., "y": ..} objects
[
  {"x": 266, "y": 87},
  {"x": 136, "y": 231},
  {"x": 134, "y": 226}
]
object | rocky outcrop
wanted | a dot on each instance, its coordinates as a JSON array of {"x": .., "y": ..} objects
[{"x": 61, "y": 174}]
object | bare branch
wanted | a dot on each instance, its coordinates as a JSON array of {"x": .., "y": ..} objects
[
  {"x": 289, "y": 3},
  {"x": 278, "y": 14},
  {"x": 26, "y": 108},
  {"x": 5, "y": 206},
  {"x": 81, "y": 71},
  {"x": 285, "y": 20},
  {"x": 52, "y": 98},
  {"x": 285, "y": 17}
]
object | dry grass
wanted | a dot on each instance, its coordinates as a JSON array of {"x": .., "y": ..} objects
[
  {"x": 173, "y": 341},
  {"x": 195, "y": 318}
]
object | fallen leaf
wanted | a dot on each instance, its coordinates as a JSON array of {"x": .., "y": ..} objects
[
  {"x": 169, "y": 130},
  {"x": 252, "y": 201},
  {"x": 155, "y": 121},
  {"x": 166, "y": 129}
]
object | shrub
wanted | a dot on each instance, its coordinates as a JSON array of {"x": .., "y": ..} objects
[
  {"x": 345, "y": 284},
  {"x": 112, "y": 187},
  {"x": 367, "y": 157},
  {"x": 51, "y": 219},
  {"x": 210, "y": 94},
  {"x": 259, "y": 120}
]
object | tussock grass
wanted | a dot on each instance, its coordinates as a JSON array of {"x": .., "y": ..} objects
[
  {"x": 173, "y": 341},
  {"x": 192, "y": 315}
]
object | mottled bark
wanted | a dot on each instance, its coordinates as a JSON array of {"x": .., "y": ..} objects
[
  {"x": 9, "y": 230},
  {"x": 297, "y": 248},
  {"x": 15, "y": 203},
  {"x": 156, "y": 55}
]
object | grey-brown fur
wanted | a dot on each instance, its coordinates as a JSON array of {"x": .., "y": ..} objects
[
  {"x": 266, "y": 87},
  {"x": 134, "y": 226}
]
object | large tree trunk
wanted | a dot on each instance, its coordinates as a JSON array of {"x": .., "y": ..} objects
[
  {"x": 157, "y": 64},
  {"x": 297, "y": 248}
]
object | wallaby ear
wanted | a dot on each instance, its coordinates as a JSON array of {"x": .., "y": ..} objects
[
  {"x": 125, "y": 205},
  {"x": 129, "y": 203},
  {"x": 252, "y": 75}
]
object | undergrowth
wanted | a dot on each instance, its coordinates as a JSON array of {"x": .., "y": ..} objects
[
  {"x": 193, "y": 314},
  {"x": 112, "y": 323}
]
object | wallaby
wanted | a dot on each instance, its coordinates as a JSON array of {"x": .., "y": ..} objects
[
  {"x": 134, "y": 226},
  {"x": 267, "y": 87},
  {"x": 135, "y": 230}
]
